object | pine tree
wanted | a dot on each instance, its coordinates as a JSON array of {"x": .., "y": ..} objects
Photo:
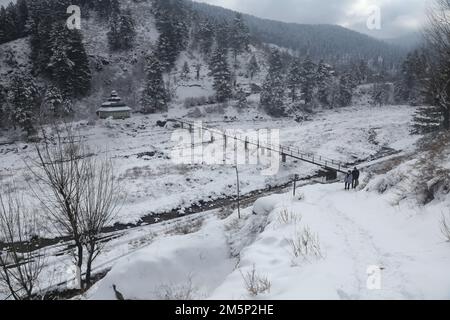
[
  {"x": 205, "y": 37},
  {"x": 69, "y": 64},
  {"x": 241, "y": 97},
  {"x": 410, "y": 87},
  {"x": 127, "y": 29},
  {"x": 122, "y": 33},
  {"x": 3, "y": 35},
  {"x": 294, "y": 78},
  {"x": 345, "y": 90},
  {"x": 222, "y": 34},
  {"x": 56, "y": 105},
  {"x": 3, "y": 111},
  {"x": 154, "y": 97},
  {"x": 23, "y": 101},
  {"x": 106, "y": 8},
  {"x": 325, "y": 75},
  {"x": 434, "y": 114},
  {"x": 253, "y": 67},
  {"x": 221, "y": 74},
  {"x": 22, "y": 17},
  {"x": 172, "y": 23},
  {"x": 239, "y": 36},
  {"x": 272, "y": 95},
  {"x": 185, "y": 73},
  {"x": 11, "y": 23},
  {"x": 308, "y": 80}
]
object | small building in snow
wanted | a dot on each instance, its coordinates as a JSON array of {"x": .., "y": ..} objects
[{"x": 114, "y": 108}]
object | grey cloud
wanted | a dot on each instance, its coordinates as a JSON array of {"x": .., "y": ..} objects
[{"x": 398, "y": 17}]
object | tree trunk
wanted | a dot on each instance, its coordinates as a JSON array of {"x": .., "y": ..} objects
[
  {"x": 79, "y": 265},
  {"x": 88, "y": 271},
  {"x": 446, "y": 122}
]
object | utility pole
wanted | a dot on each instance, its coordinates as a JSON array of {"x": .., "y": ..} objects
[
  {"x": 295, "y": 183},
  {"x": 238, "y": 193}
]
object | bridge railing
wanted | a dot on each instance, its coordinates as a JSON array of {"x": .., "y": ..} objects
[{"x": 289, "y": 151}]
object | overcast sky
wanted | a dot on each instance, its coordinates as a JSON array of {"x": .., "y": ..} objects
[{"x": 398, "y": 17}]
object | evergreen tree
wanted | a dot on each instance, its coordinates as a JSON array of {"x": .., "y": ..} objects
[
  {"x": 294, "y": 78},
  {"x": 253, "y": 67},
  {"x": 221, "y": 74},
  {"x": 381, "y": 93},
  {"x": 69, "y": 63},
  {"x": 122, "y": 33},
  {"x": 22, "y": 17},
  {"x": 222, "y": 34},
  {"x": 172, "y": 23},
  {"x": 325, "y": 75},
  {"x": 56, "y": 105},
  {"x": 241, "y": 97},
  {"x": 11, "y": 23},
  {"x": 272, "y": 95},
  {"x": 3, "y": 111},
  {"x": 186, "y": 71},
  {"x": 205, "y": 37},
  {"x": 239, "y": 36},
  {"x": 23, "y": 101},
  {"x": 154, "y": 97},
  {"x": 409, "y": 88},
  {"x": 308, "y": 78},
  {"x": 345, "y": 90},
  {"x": 106, "y": 8}
]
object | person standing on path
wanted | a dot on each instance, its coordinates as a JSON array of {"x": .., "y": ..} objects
[
  {"x": 348, "y": 180},
  {"x": 355, "y": 180}
]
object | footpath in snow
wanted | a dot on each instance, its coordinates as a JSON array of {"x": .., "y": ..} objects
[{"x": 351, "y": 231}]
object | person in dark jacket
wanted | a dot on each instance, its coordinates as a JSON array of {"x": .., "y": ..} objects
[
  {"x": 355, "y": 180},
  {"x": 348, "y": 180}
]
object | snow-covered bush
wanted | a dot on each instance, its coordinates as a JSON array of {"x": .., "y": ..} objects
[
  {"x": 289, "y": 217},
  {"x": 185, "y": 291},
  {"x": 305, "y": 245},
  {"x": 187, "y": 227},
  {"x": 255, "y": 283}
]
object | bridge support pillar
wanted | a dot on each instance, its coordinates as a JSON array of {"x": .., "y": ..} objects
[{"x": 283, "y": 157}]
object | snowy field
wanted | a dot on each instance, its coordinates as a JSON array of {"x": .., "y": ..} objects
[{"x": 154, "y": 183}]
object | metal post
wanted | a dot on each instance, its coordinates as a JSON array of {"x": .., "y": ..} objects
[{"x": 238, "y": 193}]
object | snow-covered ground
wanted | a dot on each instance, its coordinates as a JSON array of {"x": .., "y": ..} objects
[
  {"x": 154, "y": 183},
  {"x": 356, "y": 231}
]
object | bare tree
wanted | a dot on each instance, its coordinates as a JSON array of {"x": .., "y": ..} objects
[
  {"x": 78, "y": 192},
  {"x": 99, "y": 206},
  {"x": 20, "y": 263},
  {"x": 60, "y": 173}
]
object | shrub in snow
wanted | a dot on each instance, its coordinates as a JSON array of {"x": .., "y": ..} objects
[
  {"x": 255, "y": 283},
  {"x": 305, "y": 245},
  {"x": 288, "y": 217},
  {"x": 185, "y": 291}
]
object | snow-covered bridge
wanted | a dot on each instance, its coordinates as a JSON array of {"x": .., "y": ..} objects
[{"x": 284, "y": 151}]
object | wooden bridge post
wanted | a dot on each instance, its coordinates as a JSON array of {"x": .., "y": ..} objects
[{"x": 225, "y": 148}]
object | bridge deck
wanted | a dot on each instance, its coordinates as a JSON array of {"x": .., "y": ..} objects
[{"x": 287, "y": 151}]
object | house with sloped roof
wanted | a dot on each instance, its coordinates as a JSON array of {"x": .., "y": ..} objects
[{"x": 114, "y": 108}]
